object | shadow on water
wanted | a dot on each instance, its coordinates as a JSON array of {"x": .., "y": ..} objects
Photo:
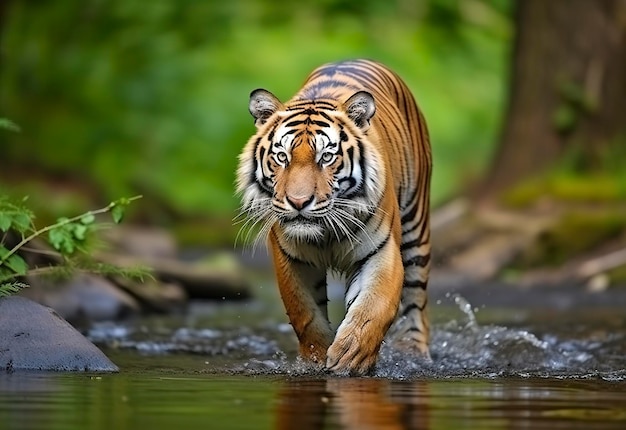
[{"x": 233, "y": 366}]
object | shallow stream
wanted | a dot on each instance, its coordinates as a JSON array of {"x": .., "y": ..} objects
[{"x": 233, "y": 366}]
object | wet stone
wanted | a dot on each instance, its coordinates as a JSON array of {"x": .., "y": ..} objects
[{"x": 34, "y": 337}]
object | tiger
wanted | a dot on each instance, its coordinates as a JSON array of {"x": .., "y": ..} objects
[{"x": 338, "y": 181}]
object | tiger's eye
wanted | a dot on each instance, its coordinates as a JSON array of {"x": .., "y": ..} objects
[
  {"x": 281, "y": 157},
  {"x": 327, "y": 157}
]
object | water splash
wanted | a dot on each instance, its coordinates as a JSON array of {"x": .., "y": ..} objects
[
  {"x": 460, "y": 348},
  {"x": 466, "y": 308}
]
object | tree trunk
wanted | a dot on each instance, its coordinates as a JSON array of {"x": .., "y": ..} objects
[{"x": 568, "y": 86}]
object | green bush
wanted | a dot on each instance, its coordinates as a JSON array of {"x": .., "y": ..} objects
[
  {"x": 151, "y": 97},
  {"x": 67, "y": 236}
]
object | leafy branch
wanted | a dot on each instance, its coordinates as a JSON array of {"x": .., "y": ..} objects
[{"x": 66, "y": 236}]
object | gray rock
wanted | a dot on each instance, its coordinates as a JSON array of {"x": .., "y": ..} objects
[
  {"x": 83, "y": 298},
  {"x": 36, "y": 338}
]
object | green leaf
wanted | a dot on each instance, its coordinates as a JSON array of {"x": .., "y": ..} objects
[
  {"x": 117, "y": 213},
  {"x": 22, "y": 221},
  {"x": 5, "y": 221},
  {"x": 79, "y": 231},
  {"x": 62, "y": 239},
  {"x": 17, "y": 264},
  {"x": 87, "y": 219}
]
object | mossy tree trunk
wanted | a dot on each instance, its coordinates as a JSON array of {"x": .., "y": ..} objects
[{"x": 568, "y": 86}]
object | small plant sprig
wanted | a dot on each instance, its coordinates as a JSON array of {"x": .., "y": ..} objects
[{"x": 67, "y": 236}]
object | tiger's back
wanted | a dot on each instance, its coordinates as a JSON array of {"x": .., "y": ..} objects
[{"x": 345, "y": 167}]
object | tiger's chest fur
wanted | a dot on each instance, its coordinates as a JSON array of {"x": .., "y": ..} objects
[{"x": 338, "y": 178}]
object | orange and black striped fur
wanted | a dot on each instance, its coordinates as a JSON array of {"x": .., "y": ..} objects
[{"x": 339, "y": 179}]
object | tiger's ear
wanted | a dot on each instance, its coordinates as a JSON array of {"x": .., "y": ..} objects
[
  {"x": 360, "y": 108},
  {"x": 262, "y": 105}
]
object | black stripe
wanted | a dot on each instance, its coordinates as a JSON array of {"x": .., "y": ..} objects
[
  {"x": 413, "y": 196},
  {"x": 421, "y": 221},
  {"x": 418, "y": 260},
  {"x": 350, "y": 179},
  {"x": 410, "y": 244},
  {"x": 321, "y": 123},
  {"x": 415, "y": 284},
  {"x": 288, "y": 132},
  {"x": 350, "y": 157},
  {"x": 359, "y": 264},
  {"x": 411, "y": 215},
  {"x": 293, "y": 115},
  {"x": 294, "y": 123},
  {"x": 255, "y": 164},
  {"x": 264, "y": 189},
  {"x": 361, "y": 158},
  {"x": 325, "y": 116},
  {"x": 352, "y": 301},
  {"x": 301, "y": 103},
  {"x": 409, "y": 308},
  {"x": 349, "y": 304},
  {"x": 424, "y": 224}
]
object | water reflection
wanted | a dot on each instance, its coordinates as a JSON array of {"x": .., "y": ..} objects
[
  {"x": 162, "y": 400},
  {"x": 372, "y": 403},
  {"x": 351, "y": 403}
]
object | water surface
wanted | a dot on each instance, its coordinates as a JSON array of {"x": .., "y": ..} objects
[{"x": 233, "y": 366}]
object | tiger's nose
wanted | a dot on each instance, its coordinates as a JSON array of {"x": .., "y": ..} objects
[{"x": 299, "y": 202}]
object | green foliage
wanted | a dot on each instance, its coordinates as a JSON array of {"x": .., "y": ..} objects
[
  {"x": 7, "y": 124},
  {"x": 578, "y": 178},
  {"x": 151, "y": 97},
  {"x": 574, "y": 233},
  {"x": 11, "y": 288},
  {"x": 67, "y": 236}
]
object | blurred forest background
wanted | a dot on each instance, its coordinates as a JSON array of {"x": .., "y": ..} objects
[
  {"x": 123, "y": 97},
  {"x": 525, "y": 103}
]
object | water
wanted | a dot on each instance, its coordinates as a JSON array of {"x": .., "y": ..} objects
[{"x": 233, "y": 366}]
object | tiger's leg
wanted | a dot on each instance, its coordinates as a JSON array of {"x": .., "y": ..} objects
[
  {"x": 372, "y": 300},
  {"x": 413, "y": 308},
  {"x": 412, "y": 328},
  {"x": 303, "y": 291}
]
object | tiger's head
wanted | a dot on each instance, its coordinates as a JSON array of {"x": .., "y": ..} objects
[{"x": 311, "y": 166}]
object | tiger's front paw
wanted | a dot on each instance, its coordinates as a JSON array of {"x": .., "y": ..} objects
[
  {"x": 349, "y": 355},
  {"x": 313, "y": 354}
]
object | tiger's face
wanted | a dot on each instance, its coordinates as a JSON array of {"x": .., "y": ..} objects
[{"x": 310, "y": 167}]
